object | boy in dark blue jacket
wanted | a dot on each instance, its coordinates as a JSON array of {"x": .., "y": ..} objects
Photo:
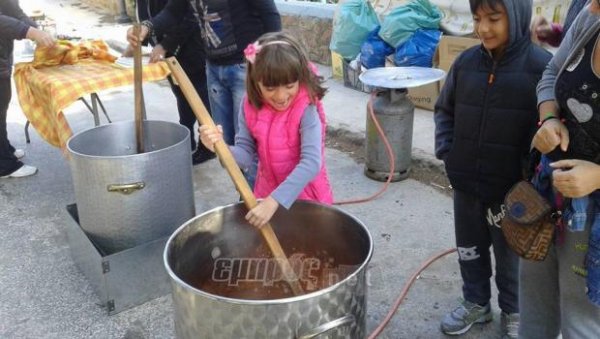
[{"x": 485, "y": 118}]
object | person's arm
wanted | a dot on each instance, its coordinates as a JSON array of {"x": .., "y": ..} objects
[
  {"x": 244, "y": 147},
  {"x": 310, "y": 160},
  {"x": 307, "y": 168},
  {"x": 268, "y": 13},
  {"x": 170, "y": 16},
  {"x": 444, "y": 116},
  {"x": 11, "y": 26}
]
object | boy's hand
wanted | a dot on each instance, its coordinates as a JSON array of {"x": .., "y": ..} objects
[
  {"x": 135, "y": 40},
  {"x": 551, "y": 134},
  {"x": 209, "y": 136},
  {"x": 41, "y": 38},
  {"x": 575, "y": 178},
  {"x": 263, "y": 212},
  {"x": 158, "y": 53}
]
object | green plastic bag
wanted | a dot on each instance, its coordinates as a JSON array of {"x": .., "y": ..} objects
[
  {"x": 403, "y": 21},
  {"x": 351, "y": 26}
]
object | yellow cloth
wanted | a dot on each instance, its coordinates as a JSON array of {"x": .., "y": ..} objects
[{"x": 60, "y": 75}]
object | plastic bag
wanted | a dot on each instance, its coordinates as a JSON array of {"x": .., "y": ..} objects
[
  {"x": 351, "y": 26},
  {"x": 419, "y": 49},
  {"x": 403, "y": 21},
  {"x": 374, "y": 50}
]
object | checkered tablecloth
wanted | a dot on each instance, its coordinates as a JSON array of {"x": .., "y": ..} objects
[{"x": 44, "y": 91}]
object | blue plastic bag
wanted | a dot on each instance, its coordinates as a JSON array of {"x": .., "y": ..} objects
[
  {"x": 418, "y": 50},
  {"x": 351, "y": 26},
  {"x": 403, "y": 21},
  {"x": 374, "y": 50}
]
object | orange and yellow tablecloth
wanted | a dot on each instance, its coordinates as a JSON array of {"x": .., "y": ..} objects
[{"x": 60, "y": 75}]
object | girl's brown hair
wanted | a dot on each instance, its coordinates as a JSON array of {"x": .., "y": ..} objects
[{"x": 281, "y": 61}]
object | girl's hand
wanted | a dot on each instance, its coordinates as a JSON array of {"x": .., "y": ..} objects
[
  {"x": 262, "y": 213},
  {"x": 551, "y": 134},
  {"x": 135, "y": 40},
  {"x": 575, "y": 178},
  {"x": 41, "y": 38},
  {"x": 209, "y": 136},
  {"x": 158, "y": 53}
]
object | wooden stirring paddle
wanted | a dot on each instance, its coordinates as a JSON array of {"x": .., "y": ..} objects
[
  {"x": 235, "y": 173},
  {"x": 138, "y": 93}
]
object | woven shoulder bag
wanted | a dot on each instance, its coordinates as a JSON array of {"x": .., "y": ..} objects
[{"x": 528, "y": 225}]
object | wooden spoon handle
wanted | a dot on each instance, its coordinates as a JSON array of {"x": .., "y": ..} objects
[
  {"x": 235, "y": 173},
  {"x": 138, "y": 93}
]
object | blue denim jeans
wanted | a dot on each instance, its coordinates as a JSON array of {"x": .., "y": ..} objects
[{"x": 226, "y": 89}]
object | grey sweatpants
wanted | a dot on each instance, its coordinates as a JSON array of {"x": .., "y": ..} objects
[{"x": 552, "y": 295}]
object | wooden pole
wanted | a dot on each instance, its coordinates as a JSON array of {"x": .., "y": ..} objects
[{"x": 235, "y": 173}]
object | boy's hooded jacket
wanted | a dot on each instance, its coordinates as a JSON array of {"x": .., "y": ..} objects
[{"x": 486, "y": 114}]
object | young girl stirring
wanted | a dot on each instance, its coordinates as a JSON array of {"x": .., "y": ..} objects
[{"x": 282, "y": 120}]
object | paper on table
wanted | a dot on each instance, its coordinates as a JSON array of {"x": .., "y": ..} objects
[{"x": 128, "y": 61}]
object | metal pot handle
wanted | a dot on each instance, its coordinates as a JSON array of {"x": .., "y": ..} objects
[
  {"x": 125, "y": 188},
  {"x": 328, "y": 326}
]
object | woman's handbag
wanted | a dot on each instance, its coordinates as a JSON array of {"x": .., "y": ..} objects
[{"x": 528, "y": 225}]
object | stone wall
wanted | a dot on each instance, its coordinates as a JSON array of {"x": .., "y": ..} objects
[{"x": 310, "y": 22}]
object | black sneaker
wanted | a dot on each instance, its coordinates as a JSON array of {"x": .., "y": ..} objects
[{"x": 201, "y": 155}]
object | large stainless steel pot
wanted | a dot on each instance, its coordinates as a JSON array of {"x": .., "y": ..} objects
[
  {"x": 337, "y": 311},
  {"x": 127, "y": 199}
]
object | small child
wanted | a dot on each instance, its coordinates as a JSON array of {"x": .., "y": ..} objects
[
  {"x": 485, "y": 119},
  {"x": 282, "y": 120}
]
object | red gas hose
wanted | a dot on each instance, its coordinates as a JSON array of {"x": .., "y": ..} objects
[
  {"x": 405, "y": 289},
  {"x": 390, "y": 154}
]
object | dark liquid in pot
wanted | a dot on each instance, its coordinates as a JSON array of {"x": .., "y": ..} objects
[{"x": 257, "y": 276}]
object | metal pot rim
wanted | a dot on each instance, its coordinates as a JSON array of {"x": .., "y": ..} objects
[
  {"x": 83, "y": 155},
  {"x": 263, "y": 302}
]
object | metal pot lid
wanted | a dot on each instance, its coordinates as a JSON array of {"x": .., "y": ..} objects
[{"x": 401, "y": 77}]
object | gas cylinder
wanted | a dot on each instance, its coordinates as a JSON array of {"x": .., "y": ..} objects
[{"x": 395, "y": 113}]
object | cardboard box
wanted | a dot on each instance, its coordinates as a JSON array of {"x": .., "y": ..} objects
[
  {"x": 450, "y": 47},
  {"x": 337, "y": 66},
  {"x": 425, "y": 96}
]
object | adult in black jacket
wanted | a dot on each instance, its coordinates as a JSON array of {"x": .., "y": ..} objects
[
  {"x": 227, "y": 27},
  {"x": 14, "y": 24},
  {"x": 485, "y": 119},
  {"x": 183, "y": 41}
]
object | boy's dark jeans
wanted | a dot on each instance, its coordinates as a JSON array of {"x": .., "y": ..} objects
[
  {"x": 477, "y": 228},
  {"x": 8, "y": 161}
]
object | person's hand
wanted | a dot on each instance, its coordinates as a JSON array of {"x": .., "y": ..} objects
[
  {"x": 575, "y": 178},
  {"x": 541, "y": 30},
  {"x": 552, "y": 133},
  {"x": 263, "y": 212},
  {"x": 135, "y": 40},
  {"x": 158, "y": 53},
  {"x": 41, "y": 38},
  {"x": 128, "y": 52},
  {"x": 209, "y": 136}
]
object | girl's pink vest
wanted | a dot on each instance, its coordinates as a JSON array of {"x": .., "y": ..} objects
[{"x": 277, "y": 136}]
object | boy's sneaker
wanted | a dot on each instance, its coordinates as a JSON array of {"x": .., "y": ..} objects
[
  {"x": 464, "y": 316},
  {"x": 23, "y": 171},
  {"x": 509, "y": 323},
  {"x": 19, "y": 153}
]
